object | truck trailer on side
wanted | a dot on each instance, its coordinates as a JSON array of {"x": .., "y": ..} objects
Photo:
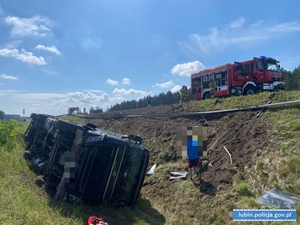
[{"x": 85, "y": 163}]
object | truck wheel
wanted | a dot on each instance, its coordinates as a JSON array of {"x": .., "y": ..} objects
[
  {"x": 250, "y": 90},
  {"x": 206, "y": 95}
]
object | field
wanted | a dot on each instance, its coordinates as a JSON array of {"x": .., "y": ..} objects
[{"x": 264, "y": 150}]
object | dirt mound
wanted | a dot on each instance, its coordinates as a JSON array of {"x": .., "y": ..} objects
[{"x": 241, "y": 133}]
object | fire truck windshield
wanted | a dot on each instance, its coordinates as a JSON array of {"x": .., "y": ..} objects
[{"x": 272, "y": 65}]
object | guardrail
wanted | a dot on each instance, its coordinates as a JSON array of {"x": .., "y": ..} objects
[{"x": 187, "y": 114}]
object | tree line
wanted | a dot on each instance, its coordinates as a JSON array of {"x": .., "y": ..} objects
[
  {"x": 168, "y": 98},
  {"x": 291, "y": 79},
  {"x": 2, "y": 115}
]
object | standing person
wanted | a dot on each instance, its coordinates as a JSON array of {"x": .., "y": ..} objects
[
  {"x": 212, "y": 87},
  {"x": 186, "y": 94},
  {"x": 193, "y": 162},
  {"x": 183, "y": 94}
]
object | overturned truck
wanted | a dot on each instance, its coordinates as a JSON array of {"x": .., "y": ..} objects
[{"x": 85, "y": 163}]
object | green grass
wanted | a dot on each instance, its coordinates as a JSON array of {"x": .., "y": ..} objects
[
  {"x": 22, "y": 202},
  {"x": 163, "y": 201},
  {"x": 242, "y": 189}
]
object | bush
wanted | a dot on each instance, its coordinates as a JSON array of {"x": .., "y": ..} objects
[{"x": 9, "y": 133}]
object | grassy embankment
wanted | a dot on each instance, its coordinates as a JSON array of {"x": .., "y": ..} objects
[{"x": 277, "y": 166}]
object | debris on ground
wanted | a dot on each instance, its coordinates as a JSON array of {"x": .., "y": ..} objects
[
  {"x": 177, "y": 175},
  {"x": 278, "y": 199},
  {"x": 151, "y": 171}
]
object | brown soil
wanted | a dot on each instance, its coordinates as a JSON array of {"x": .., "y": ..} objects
[{"x": 241, "y": 133}]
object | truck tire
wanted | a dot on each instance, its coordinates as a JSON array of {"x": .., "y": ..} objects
[
  {"x": 250, "y": 90},
  {"x": 206, "y": 95}
]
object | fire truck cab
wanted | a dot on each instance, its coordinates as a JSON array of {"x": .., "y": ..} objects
[{"x": 248, "y": 77}]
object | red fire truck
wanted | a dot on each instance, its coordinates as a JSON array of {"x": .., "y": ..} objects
[{"x": 248, "y": 77}]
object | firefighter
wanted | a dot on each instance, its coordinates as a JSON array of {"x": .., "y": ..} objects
[
  {"x": 184, "y": 94},
  {"x": 212, "y": 87}
]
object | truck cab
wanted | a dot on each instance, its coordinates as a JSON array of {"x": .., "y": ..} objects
[
  {"x": 267, "y": 71},
  {"x": 259, "y": 74}
]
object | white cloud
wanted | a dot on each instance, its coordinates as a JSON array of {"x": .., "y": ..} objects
[
  {"x": 131, "y": 91},
  {"x": 52, "y": 49},
  {"x": 13, "y": 44},
  {"x": 8, "y": 91},
  {"x": 236, "y": 33},
  {"x": 7, "y": 77},
  {"x": 165, "y": 85},
  {"x": 238, "y": 23},
  {"x": 285, "y": 27},
  {"x": 88, "y": 97},
  {"x": 23, "y": 56},
  {"x": 35, "y": 26},
  {"x": 57, "y": 103},
  {"x": 176, "y": 88},
  {"x": 30, "y": 97},
  {"x": 112, "y": 82},
  {"x": 186, "y": 69},
  {"x": 126, "y": 81},
  {"x": 93, "y": 91}
]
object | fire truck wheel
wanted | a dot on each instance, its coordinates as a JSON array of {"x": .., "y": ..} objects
[
  {"x": 206, "y": 95},
  {"x": 250, "y": 90}
]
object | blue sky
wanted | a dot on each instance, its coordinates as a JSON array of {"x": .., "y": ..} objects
[{"x": 56, "y": 54}]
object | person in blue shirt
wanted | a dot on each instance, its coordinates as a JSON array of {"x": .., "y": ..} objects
[{"x": 193, "y": 156}]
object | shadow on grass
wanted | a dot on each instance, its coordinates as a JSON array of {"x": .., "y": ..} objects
[
  {"x": 205, "y": 187},
  {"x": 140, "y": 213}
]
